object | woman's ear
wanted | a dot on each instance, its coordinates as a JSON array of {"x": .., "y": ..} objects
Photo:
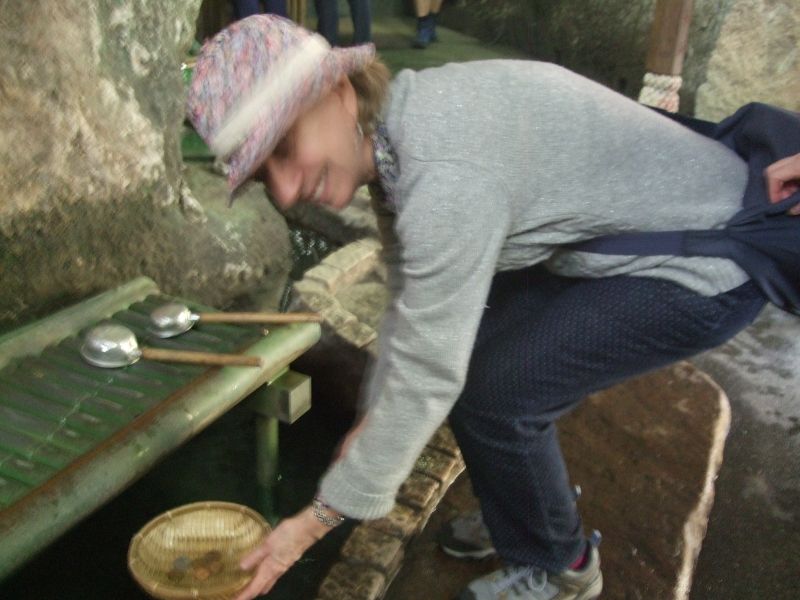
[{"x": 347, "y": 94}]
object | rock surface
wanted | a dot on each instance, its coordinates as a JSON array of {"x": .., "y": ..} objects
[
  {"x": 756, "y": 58},
  {"x": 93, "y": 190},
  {"x": 738, "y": 51}
]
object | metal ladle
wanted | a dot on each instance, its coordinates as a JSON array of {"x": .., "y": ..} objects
[
  {"x": 110, "y": 346},
  {"x": 174, "y": 318}
]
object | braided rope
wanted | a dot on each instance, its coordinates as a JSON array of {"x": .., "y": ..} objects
[{"x": 661, "y": 91}]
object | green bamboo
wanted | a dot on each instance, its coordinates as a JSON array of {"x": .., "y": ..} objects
[
  {"x": 33, "y": 338},
  {"x": 46, "y": 513}
]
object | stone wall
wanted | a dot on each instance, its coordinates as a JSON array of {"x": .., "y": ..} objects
[
  {"x": 755, "y": 57},
  {"x": 375, "y": 550},
  {"x": 739, "y": 50},
  {"x": 92, "y": 187}
]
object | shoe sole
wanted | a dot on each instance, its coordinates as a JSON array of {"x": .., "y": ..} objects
[
  {"x": 593, "y": 591},
  {"x": 471, "y": 554}
]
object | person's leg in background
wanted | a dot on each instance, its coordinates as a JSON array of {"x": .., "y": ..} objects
[
  {"x": 328, "y": 20},
  {"x": 427, "y": 12},
  {"x": 276, "y": 7},
  {"x": 544, "y": 343},
  {"x": 362, "y": 21},
  {"x": 245, "y": 8}
]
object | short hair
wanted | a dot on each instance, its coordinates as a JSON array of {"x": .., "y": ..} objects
[{"x": 372, "y": 88}]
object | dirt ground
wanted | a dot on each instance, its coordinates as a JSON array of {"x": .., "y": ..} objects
[{"x": 640, "y": 453}]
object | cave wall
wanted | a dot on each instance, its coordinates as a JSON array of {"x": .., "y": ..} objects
[
  {"x": 738, "y": 51},
  {"x": 93, "y": 188}
]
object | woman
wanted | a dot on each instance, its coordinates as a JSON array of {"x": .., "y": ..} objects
[{"x": 486, "y": 170}]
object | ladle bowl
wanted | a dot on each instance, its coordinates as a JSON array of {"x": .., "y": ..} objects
[
  {"x": 111, "y": 346},
  {"x": 173, "y": 318}
]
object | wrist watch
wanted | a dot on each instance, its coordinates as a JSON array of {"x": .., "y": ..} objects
[{"x": 325, "y": 514}]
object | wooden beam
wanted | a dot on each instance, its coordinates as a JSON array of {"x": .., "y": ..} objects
[{"x": 669, "y": 36}]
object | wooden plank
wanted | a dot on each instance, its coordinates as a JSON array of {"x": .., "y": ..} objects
[{"x": 669, "y": 36}]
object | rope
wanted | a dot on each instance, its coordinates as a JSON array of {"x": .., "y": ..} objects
[{"x": 661, "y": 91}]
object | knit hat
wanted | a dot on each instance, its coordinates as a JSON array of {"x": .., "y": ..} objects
[{"x": 253, "y": 79}]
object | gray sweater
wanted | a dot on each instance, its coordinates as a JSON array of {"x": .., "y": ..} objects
[{"x": 501, "y": 163}]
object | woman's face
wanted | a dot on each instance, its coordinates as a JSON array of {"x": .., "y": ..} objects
[{"x": 322, "y": 159}]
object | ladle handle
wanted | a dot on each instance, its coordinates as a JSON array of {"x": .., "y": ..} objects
[
  {"x": 263, "y": 317},
  {"x": 200, "y": 358}
]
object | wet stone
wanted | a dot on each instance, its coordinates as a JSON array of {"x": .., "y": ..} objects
[
  {"x": 402, "y": 522},
  {"x": 444, "y": 441},
  {"x": 338, "y": 318},
  {"x": 352, "y": 582},
  {"x": 326, "y": 275},
  {"x": 442, "y": 467},
  {"x": 367, "y": 546},
  {"x": 353, "y": 261},
  {"x": 358, "y": 334},
  {"x": 382, "y": 543},
  {"x": 314, "y": 295},
  {"x": 418, "y": 491}
]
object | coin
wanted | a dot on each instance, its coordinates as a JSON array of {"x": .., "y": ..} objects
[{"x": 212, "y": 555}]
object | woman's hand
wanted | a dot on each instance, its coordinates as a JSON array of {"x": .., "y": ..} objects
[
  {"x": 280, "y": 550},
  {"x": 783, "y": 180},
  {"x": 289, "y": 540}
]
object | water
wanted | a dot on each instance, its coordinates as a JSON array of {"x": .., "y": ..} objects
[{"x": 219, "y": 464}]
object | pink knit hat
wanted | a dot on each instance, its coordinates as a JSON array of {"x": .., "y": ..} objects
[{"x": 253, "y": 79}]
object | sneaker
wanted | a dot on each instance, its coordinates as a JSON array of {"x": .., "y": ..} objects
[
  {"x": 528, "y": 583},
  {"x": 466, "y": 537}
]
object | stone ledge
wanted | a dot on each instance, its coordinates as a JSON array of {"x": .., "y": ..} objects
[
  {"x": 374, "y": 549},
  {"x": 320, "y": 284},
  {"x": 373, "y": 553},
  {"x": 346, "y": 266},
  {"x": 348, "y": 290},
  {"x": 352, "y": 582}
]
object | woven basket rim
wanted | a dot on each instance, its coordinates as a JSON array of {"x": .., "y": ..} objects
[{"x": 183, "y": 592}]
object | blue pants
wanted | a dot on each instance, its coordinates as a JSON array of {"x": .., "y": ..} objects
[
  {"x": 245, "y": 8},
  {"x": 328, "y": 20},
  {"x": 544, "y": 343}
]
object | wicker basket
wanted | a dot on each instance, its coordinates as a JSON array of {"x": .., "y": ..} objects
[{"x": 194, "y": 551}]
